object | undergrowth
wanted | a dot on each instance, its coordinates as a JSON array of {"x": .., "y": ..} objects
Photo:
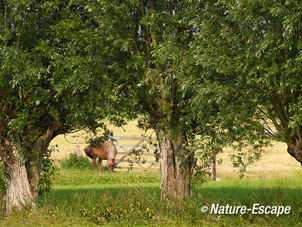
[{"x": 73, "y": 161}]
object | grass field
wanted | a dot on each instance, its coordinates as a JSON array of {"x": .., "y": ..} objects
[
  {"x": 128, "y": 198},
  {"x": 84, "y": 198}
]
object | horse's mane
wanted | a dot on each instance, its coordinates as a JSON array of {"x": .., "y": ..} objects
[{"x": 110, "y": 149}]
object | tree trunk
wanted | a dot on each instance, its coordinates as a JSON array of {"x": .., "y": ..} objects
[
  {"x": 22, "y": 178},
  {"x": 176, "y": 165},
  {"x": 295, "y": 150},
  {"x": 214, "y": 166},
  {"x": 18, "y": 192},
  {"x": 34, "y": 162}
]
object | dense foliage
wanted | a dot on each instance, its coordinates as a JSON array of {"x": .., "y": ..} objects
[
  {"x": 2, "y": 178},
  {"x": 48, "y": 173},
  {"x": 251, "y": 53},
  {"x": 49, "y": 85},
  {"x": 159, "y": 63}
]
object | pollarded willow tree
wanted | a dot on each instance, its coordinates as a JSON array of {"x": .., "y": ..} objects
[
  {"x": 149, "y": 52},
  {"x": 148, "y": 47},
  {"x": 255, "y": 49},
  {"x": 47, "y": 87}
]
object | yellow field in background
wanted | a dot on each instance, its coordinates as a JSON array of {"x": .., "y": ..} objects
[
  {"x": 67, "y": 144},
  {"x": 274, "y": 163}
]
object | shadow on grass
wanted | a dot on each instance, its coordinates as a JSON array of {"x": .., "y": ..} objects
[
  {"x": 93, "y": 194},
  {"x": 247, "y": 197},
  {"x": 76, "y": 199},
  {"x": 247, "y": 192}
]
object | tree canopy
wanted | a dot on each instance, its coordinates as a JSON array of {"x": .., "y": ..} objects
[
  {"x": 49, "y": 85},
  {"x": 254, "y": 49},
  {"x": 151, "y": 45}
]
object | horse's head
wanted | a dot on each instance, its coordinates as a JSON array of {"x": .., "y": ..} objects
[{"x": 110, "y": 164}]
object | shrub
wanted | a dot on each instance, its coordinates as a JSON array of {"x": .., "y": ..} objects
[
  {"x": 198, "y": 178},
  {"x": 73, "y": 161},
  {"x": 47, "y": 172},
  {"x": 2, "y": 178}
]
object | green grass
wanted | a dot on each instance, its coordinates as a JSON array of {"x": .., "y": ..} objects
[
  {"x": 282, "y": 192},
  {"x": 85, "y": 198}
]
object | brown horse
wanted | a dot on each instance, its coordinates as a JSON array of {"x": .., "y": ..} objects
[{"x": 106, "y": 151}]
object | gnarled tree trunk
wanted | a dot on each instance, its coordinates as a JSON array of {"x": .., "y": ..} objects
[
  {"x": 294, "y": 148},
  {"x": 34, "y": 162},
  {"x": 176, "y": 164},
  {"x": 18, "y": 192},
  {"x": 22, "y": 178}
]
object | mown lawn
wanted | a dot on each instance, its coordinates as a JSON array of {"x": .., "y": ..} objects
[{"x": 85, "y": 198}]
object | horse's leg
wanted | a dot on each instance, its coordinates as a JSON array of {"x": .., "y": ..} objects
[
  {"x": 94, "y": 164},
  {"x": 100, "y": 164}
]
